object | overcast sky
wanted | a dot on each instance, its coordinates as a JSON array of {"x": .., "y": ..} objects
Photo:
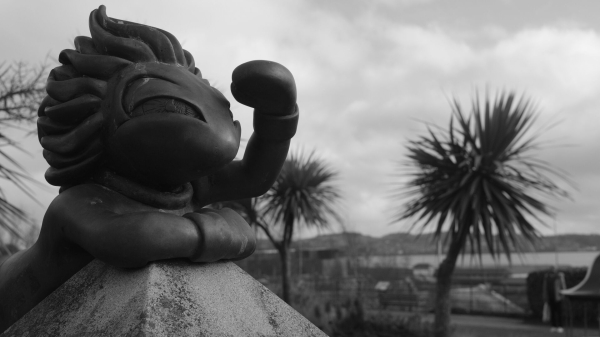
[{"x": 368, "y": 73}]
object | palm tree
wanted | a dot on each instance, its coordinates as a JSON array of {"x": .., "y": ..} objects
[
  {"x": 477, "y": 182},
  {"x": 302, "y": 194},
  {"x": 22, "y": 89}
]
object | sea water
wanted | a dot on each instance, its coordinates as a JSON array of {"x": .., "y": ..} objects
[{"x": 573, "y": 259}]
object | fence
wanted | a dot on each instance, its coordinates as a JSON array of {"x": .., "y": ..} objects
[
  {"x": 414, "y": 295},
  {"x": 475, "y": 291}
]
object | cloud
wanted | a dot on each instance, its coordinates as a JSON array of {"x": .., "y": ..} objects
[
  {"x": 367, "y": 77},
  {"x": 406, "y": 73}
]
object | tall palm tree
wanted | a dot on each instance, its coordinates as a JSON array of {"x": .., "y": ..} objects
[
  {"x": 475, "y": 183},
  {"x": 303, "y": 194}
]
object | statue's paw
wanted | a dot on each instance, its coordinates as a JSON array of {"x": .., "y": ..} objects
[
  {"x": 224, "y": 235},
  {"x": 266, "y": 86}
]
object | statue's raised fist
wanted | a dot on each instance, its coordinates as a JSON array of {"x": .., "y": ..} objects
[{"x": 265, "y": 86}]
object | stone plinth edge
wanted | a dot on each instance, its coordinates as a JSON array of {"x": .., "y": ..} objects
[{"x": 168, "y": 298}]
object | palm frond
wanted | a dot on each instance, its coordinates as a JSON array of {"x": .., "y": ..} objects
[
  {"x": 478, "y": 176},
  {"x": 303, "y": 192}
]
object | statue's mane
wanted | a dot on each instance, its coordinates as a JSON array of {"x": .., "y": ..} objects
[{"x": 70, "y": 121}]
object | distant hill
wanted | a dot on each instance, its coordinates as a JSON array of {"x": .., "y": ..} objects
[{"x": 404, "y": 243}]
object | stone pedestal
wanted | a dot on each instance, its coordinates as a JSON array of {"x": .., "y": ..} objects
[{"x": 173, "y": 298}]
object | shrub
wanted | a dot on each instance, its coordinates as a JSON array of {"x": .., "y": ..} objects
[
  {"x": 573, "y": 276},
  {"x": 384, "y": 325}
]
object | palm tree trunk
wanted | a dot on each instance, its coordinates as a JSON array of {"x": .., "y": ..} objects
[
  {"x": 286, "y": 273},
  {"x": 443, "y": 304},
  {"x": 286, "y": 261}
]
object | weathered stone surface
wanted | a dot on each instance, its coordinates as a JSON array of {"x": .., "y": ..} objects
[{"x": 172, "y": 298}]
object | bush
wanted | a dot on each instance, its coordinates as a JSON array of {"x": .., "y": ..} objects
[
  {"x": 573, "y": 276},
  {"x": 385, "y": 325},
  {"x": 341, "y": 313}
]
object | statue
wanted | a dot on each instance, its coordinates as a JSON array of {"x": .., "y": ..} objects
[{"x": 139, "y": 143}]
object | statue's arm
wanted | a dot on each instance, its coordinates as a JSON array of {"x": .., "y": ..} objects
[
  {"x": 97, "y": 223},
  {"x": 250, "y": 177},
  {"x": 133, "y": 240},
  {"x": 110, "y": 227},
  {"x": 270, "y": 89}
]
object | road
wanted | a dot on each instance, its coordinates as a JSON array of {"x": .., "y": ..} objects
[{"x": 488, "y": 326}]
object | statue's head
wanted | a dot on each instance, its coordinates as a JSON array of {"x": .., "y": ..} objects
[{"x": 130, "y": 99}]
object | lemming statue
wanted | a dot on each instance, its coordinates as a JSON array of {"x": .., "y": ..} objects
[{"x": 139, "y": 143}]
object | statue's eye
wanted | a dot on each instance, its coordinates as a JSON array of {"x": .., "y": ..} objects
[{"x": 166, "y": 105}]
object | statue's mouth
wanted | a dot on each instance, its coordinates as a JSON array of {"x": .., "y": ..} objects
[{"x": 167, "y": 105}]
